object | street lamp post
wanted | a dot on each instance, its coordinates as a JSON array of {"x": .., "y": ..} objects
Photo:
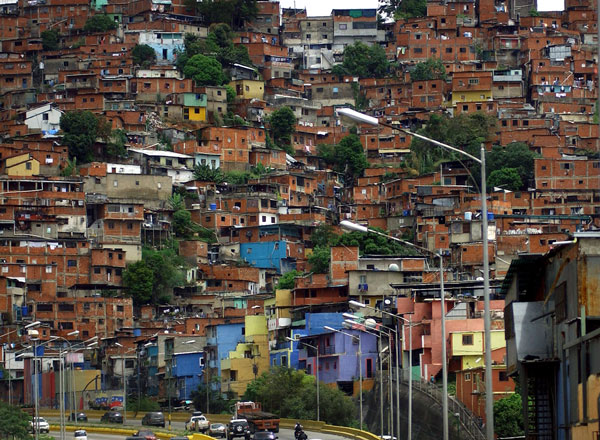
[
  {"x": 61, "y": 377},
  {"x": 124, "y": 382},
  {"x": 360, "y": 374},
  {"x": 378, "y": 333},
  {"x": 26, "y": 327},
  {"x": 489, "y": 395},
  {"x": 410, "y": 394},
  {"x": 316, "y": 348}
]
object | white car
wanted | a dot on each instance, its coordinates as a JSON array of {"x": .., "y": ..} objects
[
  {"x": 40, "y": 423},
  {"x": 201, "y": 422},
  {"x": 80, "y": 434}
]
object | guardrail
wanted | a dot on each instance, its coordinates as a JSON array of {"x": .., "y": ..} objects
[
  {"x": 310, "y": 425},
  {"x": 468, "y": 422}
]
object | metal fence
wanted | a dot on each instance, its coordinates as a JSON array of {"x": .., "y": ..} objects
[{"x": 460, "y": 416}]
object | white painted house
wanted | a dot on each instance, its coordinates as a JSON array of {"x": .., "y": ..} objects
[{"x": 45, "y": 118}]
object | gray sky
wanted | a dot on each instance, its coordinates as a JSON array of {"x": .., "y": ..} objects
[{"x": 324, "y": 7}]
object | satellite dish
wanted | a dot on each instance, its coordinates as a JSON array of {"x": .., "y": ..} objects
[{"x": 393, "y": 268}]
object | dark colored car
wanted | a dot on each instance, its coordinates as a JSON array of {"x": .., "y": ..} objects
[
  {"x": 265, "y": 435},
  {"x": 154, "y": 419},
  {"x": 79, "y": 417},
  {"x": 145, "y": 434},
  {"x": 112, "y": 417},
  {"x": 238, "y": 428}
]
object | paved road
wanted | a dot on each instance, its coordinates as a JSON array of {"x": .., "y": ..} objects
[{"x": 178, "y": 428}]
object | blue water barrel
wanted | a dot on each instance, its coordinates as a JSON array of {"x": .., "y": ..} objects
[{"x": 213, "y": 206}]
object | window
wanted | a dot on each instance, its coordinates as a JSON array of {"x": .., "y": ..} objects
[
  {"x": 71, "y": 263},
  {"x": 111, "y": 225},
  {"x": 473, "y": 80},
  {"x": 502, "y": 376},
  {"x": 343, "y": 26},
  {"x": 96, "y": 270},
  {"x": 468, "y": 377},
  {"x": 48, "y": 269},
  {"x": 467, "y": 339}
]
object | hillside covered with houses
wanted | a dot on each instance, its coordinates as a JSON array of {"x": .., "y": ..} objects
[{"x": 173, "y": 175}]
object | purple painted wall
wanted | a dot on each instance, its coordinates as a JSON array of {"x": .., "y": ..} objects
[{"x": 338, "y": 355}]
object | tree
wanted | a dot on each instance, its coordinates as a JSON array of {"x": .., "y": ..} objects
[
  {"x": 233, "y": 12},
  {"x": 347, "y": 157},
  {"x": 508, "y": 416},
  {"x": 404, "y": 8},
  {"x": 291, "y": 393},
  {"x": 372, "y": 244},
  {"x": 231, "y": 95},
  {"x": 208, "y": 174},
  {"x": 283, "y": 124},
  {"x": 217, "y": 404},
  {"x": 319, "y": 259},
  {"x": 50, "y": 39},
  {"x": 80, "y": 130},
  {"x": 322, "y": 235},
  {"x": 365, "y": 61},
  {"x": 14, "y": 423},
  {"x": 116, "y": 145},
  {"x": 143, "y": 55},
  {"x": 506, "y": 178},
  {"x": 138, "y": 278},
  {"x": 465, "y": 132},
  {"x": 206, "y": 71},
  {"x": 433, "y": 68},
  {"x": 515, "y": 155},
  {"x": 151, "y": 280},
  {"x": 183, "y": 227},
  {"x": 286, "y": 281},
  {"x": 99, "y": 23}
]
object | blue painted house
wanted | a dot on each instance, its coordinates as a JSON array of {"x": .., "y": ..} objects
[
  {"x": 268, "y": 255},
  {"x": 188, "y": 372},
  {"x": 285, "y": 353},
  {"x": 221, "y": 339}
]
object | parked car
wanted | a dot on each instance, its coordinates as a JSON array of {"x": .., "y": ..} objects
[
  {"x": 265, "y": 435},
  {"x": 154, "y": 418},
  {"x": 197, "y": 423},
  {"x": 40, "y": 423},
  {"x": 183, "y": 405},
  {"x": 238, "y": 428},
  {"x": 80, "y": 434},
  {"x": 145, "y": 434},
  {"x": 79, "y": 417},
  {"x": 217, "y": 430},
  {"x": 112, "y": 417}
]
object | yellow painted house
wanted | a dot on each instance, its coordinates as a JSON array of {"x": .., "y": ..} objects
[
  {"x": 21, "y": 165},
  {"x": 248, "y": 88},
  {"x": 279, "y": 320},
  {"x": 194, "y": 106},
  {"x": 470, "y": 347},
  {"x": 250, "y": 358}
]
